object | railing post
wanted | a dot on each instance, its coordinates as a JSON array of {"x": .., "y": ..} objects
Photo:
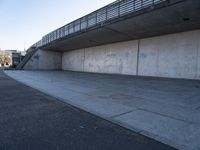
[
  {"x": 86, "y": 22},
  {"x": 73, "y": 27},
  {"x": 96, "y": 17},
  {"x": 106, "y": 13},
  {"x": 79, "y": 24},
  {"x": 142, "y": 4},
  {"x": 119, "y": 9}
]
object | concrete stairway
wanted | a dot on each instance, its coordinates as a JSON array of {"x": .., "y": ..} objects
[{"x": 30, "y": 52}]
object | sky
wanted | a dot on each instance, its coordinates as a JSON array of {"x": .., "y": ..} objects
[{"x": 24, "y": 22}]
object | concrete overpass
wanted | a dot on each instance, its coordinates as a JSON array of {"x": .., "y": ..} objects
[
  {"x": 134, "y": 37},
  {"x": 159, "y": 38}
]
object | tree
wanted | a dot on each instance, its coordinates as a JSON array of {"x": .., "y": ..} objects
[
  {"x": 1, "y": 58},
  {"x": 5, "y": 59}
]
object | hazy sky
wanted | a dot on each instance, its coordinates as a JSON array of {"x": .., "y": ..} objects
[{"x": 24, "y": 22}]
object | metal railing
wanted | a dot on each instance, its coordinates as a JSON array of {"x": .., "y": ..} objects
[
  {"x": 114, "y": 10},
  {"x": 29, "y": 54}
]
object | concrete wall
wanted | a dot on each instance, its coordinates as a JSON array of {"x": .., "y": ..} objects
[
  {"x": 44, "y": 60},
  {"x": 73, "y": 60},
  {"x": 174, "y": 55},
  {"x": 119, "y": 58}
]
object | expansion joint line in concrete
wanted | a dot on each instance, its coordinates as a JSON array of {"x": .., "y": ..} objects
[
  {"x": 167, "y": 116},
  {"x": 123, "y": 113},
  {"x": 197, "y": 61},
  {"x": 84, "y": 59},
  {"x": 138, "y": 57}
]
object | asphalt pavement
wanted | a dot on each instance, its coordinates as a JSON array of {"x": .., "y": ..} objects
[{"x": 32, "y": 120}]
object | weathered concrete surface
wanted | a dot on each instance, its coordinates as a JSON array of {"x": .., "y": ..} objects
[
  {"x": 165, "y": 109},
  {"x": 44, "y": 60},
  {"x": 31, "y": 120},
  {"x": 73, "y": 60},
  {"x": 174, "y": 56},
  {"x": 120, "y": 58}
]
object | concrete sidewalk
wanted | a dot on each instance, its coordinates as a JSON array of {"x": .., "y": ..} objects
[
  {"x": 32, "y": 120},
  {"x": 167, "y": 110}
]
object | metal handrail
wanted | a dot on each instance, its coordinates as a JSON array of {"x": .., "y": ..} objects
[
  {"x": 29, "y": 54},
  {"x": 98, "y": 17}
]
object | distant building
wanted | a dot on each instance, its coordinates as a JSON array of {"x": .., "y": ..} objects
[
  {"x": 16, "y": 58},
  {"x": 10, "y": 58}
]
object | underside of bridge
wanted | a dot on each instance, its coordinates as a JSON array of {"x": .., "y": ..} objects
[{"x": 166, "y": 18}]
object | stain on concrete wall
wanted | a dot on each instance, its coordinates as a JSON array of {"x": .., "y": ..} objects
[
  {"x": 174, "y": 55},
  {"x": 73, "y": 60},
  {"x": 44, "y": 60},
  {"x": 119, "y": 58}
]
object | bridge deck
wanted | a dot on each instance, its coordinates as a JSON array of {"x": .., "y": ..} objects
[{"x": 138, "y": 21}]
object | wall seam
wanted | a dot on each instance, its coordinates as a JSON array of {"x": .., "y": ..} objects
[
  {"x": 197, "y": 65},
  {"x": 138, "y": 54},
  {"x": 62, "y": 60},
  {"x": 84, "y": 60}
]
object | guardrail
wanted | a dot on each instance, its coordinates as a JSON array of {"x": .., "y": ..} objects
[
  {"x": 114, "y": 10},
  {"x": 29, "y": 54}
]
